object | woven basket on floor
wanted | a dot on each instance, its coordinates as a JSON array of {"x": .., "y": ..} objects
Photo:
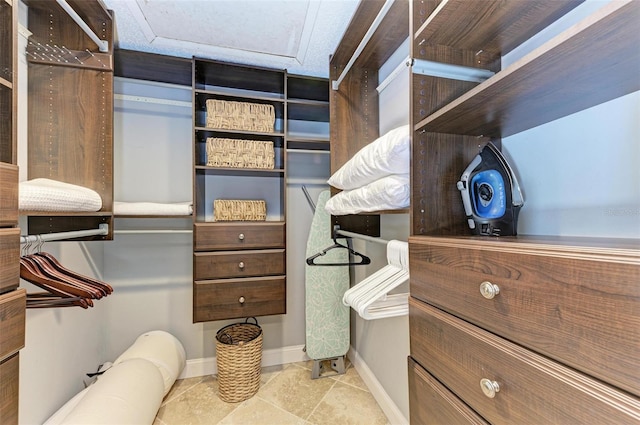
[
  {"x": 239, "y": 359},
  {"x": 239, "y": 210},
  {"x": 234, "y": 153},
  {"x": 231, "y": 115}
]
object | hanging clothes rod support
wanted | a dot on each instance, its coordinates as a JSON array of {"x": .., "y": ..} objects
[
  {"x": 359, "y": 236},
  {"x": 103, "y": 45},
  {"x": 103, "y": 229},
  {"x": 372, "y": 29},
  {"x": 453, "y": 72}
]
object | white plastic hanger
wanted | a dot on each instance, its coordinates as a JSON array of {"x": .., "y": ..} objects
[{"x": 370, "y": 297}]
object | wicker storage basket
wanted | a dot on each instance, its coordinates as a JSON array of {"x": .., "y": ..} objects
[
  {"x": 234, "y": 153},
  {"x": 231, "y": 115},
  {"x": 239, "y": 210},
  {"x": 239, "y": 359}
]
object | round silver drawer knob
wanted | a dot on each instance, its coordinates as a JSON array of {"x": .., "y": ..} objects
[
  {"x": 241, "y": 236},
  {"x": 489, "y": 387},
  {"x": 489, "y": 290},
  {"x": 241, "y": 300},
  {"x": 241, "y": 265}
]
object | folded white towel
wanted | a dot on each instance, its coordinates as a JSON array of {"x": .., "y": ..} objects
[
  {"x": 152, "y": 208},
  {"x": 56, "y": 196}
]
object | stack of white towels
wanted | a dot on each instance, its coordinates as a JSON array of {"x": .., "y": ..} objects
[{"x": 376, "y": 178}]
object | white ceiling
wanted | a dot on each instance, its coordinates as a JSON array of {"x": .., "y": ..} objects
[{"x": 297, "y": 35}]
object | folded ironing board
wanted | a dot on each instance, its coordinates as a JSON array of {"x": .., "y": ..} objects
[{"x": 327, "y": 319}]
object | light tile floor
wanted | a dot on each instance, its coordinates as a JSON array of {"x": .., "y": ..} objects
[{"x": 287, "y": 395}]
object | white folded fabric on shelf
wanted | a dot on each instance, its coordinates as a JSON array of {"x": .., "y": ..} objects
[
  {"x": 56, "y": 196},
  {"x": 152, "y": 208}
]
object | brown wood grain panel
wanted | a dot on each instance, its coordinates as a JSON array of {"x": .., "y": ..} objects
[
  {"x": 539, "y": 88},
  {"x": 71, "y": 131},
  {"x": 236, "y": 298},
  {"x": 354, "y": 115},
  {"x": 8, "y": 195},
  {"x": 498, "y": 26},
  {"x": 12, "y": 322},
  {"x": 9, "y": 259},
  {"x": 532, "y": 389},
  {"x": 245, "y": 235},
  {"x": 225, "y": 264},
  {"x": 431, "y": 403},
  {"x": 152, "y": 67},
  {"x": 10, "y": 378},
  {"x": 50, "y": 24},
  {"x": 438, "y": 161},
  {"x": 579, "y": 307}
]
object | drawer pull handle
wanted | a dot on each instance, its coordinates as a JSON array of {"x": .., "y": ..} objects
[
  {"x": 241, "y": 265},
  {"x": 241, "y": 300},
  {"x": 489, "y": 290},
  {"x": 241, "y": 236},
  {"x": 489, "y": 387}
]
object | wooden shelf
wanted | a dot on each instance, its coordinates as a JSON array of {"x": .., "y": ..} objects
[
  {"x": 255, "y": 133},
  {"x": 559, "y": 78},
  {"x": 495, "y": 27}
]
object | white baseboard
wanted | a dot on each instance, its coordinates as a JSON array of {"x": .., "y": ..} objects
[
  {"x": 387, "y": 405},
  {"x": 273, "y": 357}
]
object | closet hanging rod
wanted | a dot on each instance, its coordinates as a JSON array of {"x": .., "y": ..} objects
[
  {"x": 406, "y": 62},
  {"x": 308, "y": 151},
  {"x": 103, "y": 229},
  {"x": 363, "y": 237},
  {"x": 152, "y": 231},
  {"x": 103, "y": 45},
  {"x": 153, "y": 100},
  {"x": 372, "y": 29}
]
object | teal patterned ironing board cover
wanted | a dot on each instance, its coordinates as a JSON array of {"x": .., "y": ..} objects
[{"x": 327, "y": 319}]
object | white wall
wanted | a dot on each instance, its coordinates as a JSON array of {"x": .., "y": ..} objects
[
  {"x": 579, "y": 174},
  {"x": 383, "y": 344}
]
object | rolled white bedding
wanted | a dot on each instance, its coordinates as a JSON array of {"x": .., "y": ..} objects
[
  {"x": 130, "y": 391},
  {"x": 163, "y": 350},
  {"x": 127, "y": 393}
]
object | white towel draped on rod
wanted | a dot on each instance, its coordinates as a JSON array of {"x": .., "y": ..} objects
[{"x": 370, "y": 297}]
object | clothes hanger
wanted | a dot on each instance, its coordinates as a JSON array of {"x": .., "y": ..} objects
[
  {"x": 30, "y": 272},
  {"x": 104, "y": 288},
  {"x": 45, "y": 300},
  {"x": 363, "y": 258},
  {"x": 371, "y": 298}
]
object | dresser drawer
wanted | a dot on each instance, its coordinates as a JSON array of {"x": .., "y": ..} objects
[
  {"x": 12, "y": 322},
  {"x": 246, "y": 235},
  {"x": 9, "y": 259},
  {"x": 225, "y": 264},
  {"x": 234, "y": 298},
  {"x": 8, "y": 195},
  {"x": 581, "y": 308},
  {"x": 9, "y": 377},
  {"x": 532, "y": 388},
  {"x": 431, "y": 403}
]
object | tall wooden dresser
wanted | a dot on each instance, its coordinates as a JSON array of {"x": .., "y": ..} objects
[
  {"x": 12, "y": 299},
  {"x": 515, "y": 330}
]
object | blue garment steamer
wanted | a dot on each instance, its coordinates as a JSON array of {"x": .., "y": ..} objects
[{"x": 491, "y": 194}]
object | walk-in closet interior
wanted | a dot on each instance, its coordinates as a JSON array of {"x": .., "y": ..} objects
[{"x": 434, "y": 204}]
